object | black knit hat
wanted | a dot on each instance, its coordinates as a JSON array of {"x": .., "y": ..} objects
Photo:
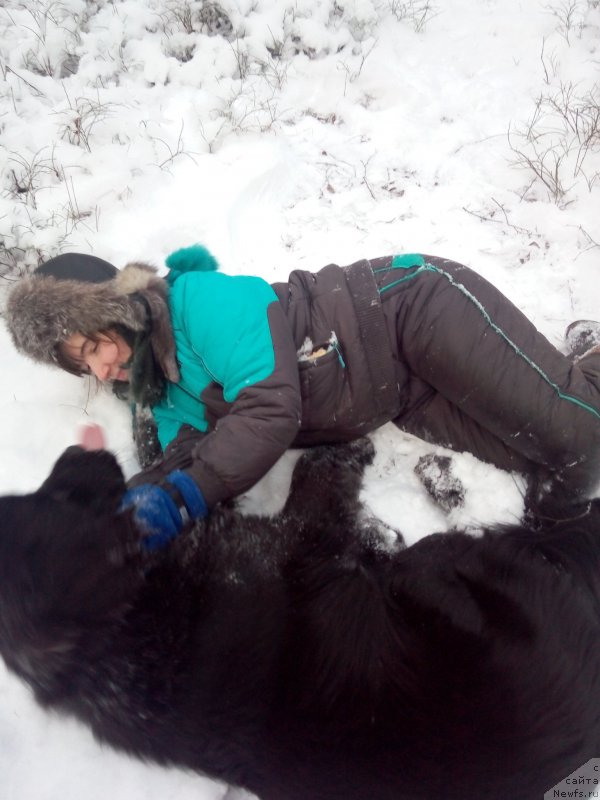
[{"x": 77, "y": 267}]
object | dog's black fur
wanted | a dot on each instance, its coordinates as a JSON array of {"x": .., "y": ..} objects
[{"x": 296, "y": 656}]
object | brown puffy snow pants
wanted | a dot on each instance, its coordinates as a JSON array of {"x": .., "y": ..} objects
[{"x": 479, "y": 377}]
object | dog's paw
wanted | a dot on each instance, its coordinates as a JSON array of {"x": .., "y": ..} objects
[
  {"x": 380, "y": 535},
  {"x": 354, "y": 455},
  {"x": 361, "y": 451},
  {"x": 444, "y": 488}
]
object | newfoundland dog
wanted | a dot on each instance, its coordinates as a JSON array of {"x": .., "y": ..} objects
[{"x": 299, "y": 656}]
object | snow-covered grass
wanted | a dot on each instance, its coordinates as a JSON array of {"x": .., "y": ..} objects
[{"x": 284, "y": 134}]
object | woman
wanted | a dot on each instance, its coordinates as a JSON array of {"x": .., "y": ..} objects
[{"x": 235, "y": 370}]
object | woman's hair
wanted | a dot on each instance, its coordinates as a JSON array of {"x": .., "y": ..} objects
[
  {"x": 69, "y": 364},
  {"x": 146, "y": 380}
]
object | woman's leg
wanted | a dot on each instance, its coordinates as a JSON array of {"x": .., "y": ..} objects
[
  {"x": 439, "y": 421},
  {"x": 497, "y": 384}
]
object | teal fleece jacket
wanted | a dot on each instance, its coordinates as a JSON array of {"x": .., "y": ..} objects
[{"x": 221, "y": 333}]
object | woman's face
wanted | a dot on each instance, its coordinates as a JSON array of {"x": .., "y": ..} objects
[{"x": 105, "y": 358}]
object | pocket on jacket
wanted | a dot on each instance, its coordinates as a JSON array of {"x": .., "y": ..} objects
[{"x": 322, "y": 386}]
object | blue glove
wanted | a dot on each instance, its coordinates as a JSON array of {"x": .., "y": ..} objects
[{"x": 162, "y": 510}]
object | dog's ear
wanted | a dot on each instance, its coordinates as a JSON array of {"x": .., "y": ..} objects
[
  {"x": 91, "y": 478},
  {"x": 67, "y": 579}
]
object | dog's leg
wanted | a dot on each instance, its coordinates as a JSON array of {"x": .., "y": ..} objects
[{"x": 328, "y": 479}]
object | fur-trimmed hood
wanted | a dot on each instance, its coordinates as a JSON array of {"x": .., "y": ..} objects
[{"x": 44, "y": 310}]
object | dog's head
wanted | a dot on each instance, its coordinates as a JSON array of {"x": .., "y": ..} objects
[{"x": 69, "y": 568}]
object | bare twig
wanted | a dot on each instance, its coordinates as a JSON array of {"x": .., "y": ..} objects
[
  {"x": 38, "y": 93},
  {"x": 505, "y": 221},
  {"x": 592, "y": 242},
  {"x": 179, "y": 151},
  {"x": 364, "y": 180}
]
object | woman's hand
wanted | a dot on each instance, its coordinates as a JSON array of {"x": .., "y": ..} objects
[{"x": 161, "y": 510}]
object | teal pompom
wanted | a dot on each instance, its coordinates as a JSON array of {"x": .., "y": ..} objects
[{"x": 192, "y": 259}]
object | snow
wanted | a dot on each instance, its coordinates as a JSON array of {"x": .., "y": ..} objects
[{"x": 311, "y": 131}]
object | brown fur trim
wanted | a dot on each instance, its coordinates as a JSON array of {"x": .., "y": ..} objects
[
  {"x": 135, "y": 277},
  {"x": 142, "y": 279},
  {"x": 43, "y": 311}
]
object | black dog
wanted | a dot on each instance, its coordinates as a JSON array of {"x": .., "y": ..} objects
[{"x": 297, "y": 656}]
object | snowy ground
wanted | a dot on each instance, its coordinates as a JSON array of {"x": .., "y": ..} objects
[{"x": 284, "y": 134}]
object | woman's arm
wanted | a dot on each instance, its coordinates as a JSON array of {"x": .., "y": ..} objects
[
  {"x": 233, "y": 330},
  {"x": 263, "y": 420}
]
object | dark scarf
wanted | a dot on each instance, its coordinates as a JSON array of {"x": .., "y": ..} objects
[
  {"x": 145, "y": 388},
  {"x": 147, "y": 379}
]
